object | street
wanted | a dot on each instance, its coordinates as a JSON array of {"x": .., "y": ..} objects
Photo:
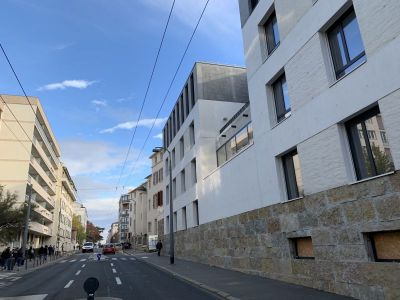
[{"x": 121, "y": 277}]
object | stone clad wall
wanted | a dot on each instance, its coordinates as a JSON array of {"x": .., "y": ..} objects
[{"x": 258, "y": 241}]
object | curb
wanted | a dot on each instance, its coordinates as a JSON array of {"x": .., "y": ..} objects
[{"x": 200, "y": 285}]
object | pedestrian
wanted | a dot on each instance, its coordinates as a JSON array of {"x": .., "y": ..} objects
[
  {"x": 5, "y": 256},
  {"x": 51, "y": 252},
  {"x": 13, "y": 258},
  {"x": 45, "y": 252},
  {"x": 19, "y": 258},
  {"x": 31, "y": 253},
  {"x": 41, "y": 253},
  {"x": 159, "y": 247}
]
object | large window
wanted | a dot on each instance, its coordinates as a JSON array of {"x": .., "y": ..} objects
[
  {"x": 191, "y": 134},
  {"x": 183, "y": 181},
  {"x": 194, "y": 170},
  {"x": 175, "y": 219},
  {"x": 238, "y": 142},
  {"x": 346, "y": 44},
  {"x": 196, "y": 219},
  {"x": 281, "y": 97},
  {"x": 181, "y": 147},
  {"x": 371, "y": 152},
  {"x": 386, "y": 245},
  {"x": 184, "y": 221},
  {"x": 292, "y": 172},
  {"x": 271, "y": 33}
]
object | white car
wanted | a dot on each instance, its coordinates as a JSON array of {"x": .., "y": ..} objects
[{"x": 87, "y": 247}]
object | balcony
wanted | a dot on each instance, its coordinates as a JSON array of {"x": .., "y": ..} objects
[
  {"x": 36, "y": 164},
  {"x": 37, "y": 188},
  {"x": 38, "y": 151},
  {"x": 39, "y": 228},
  {"x": 47, "y": 143},
  {"x": 43, "y": 212}
]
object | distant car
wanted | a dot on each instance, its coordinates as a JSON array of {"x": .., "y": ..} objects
[
  {"x": 108, "y": 248},
  {"x": 87, "y": 247}
]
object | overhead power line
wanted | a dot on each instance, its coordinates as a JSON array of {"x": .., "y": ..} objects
[
  {"x": 146, "y": 93},
  {"x": 169, "y": 88}
]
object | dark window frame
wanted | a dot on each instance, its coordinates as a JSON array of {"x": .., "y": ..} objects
[
  {"x": 279, "y": 98},
  {"x": 373, "y": 247},
  {"x": 353, "y": 135},
  {"x": 296, "y": 250},
  {"x": 289, "y": 177},
  {"x": 338, "y": 28},
  {"x": 252, "y": 5},
  {"x": 270, "y": 43}
]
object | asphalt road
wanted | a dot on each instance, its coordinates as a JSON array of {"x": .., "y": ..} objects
[{"x": 121, "y": 277}]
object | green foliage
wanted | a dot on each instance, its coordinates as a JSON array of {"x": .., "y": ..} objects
[
  {"x": 12, "y": 216},
  {"x": 93, "y": 233},
  {"x": 80, "y": 231}
]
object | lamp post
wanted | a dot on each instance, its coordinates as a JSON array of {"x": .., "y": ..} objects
[{"x": 171, "y": 209}]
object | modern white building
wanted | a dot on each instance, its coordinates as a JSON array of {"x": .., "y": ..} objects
[
  {"x": 324, "y": 93},
  {"x": 212, "y": 95},
  {"x": 112, "y": 236},
  {"x": 80, "y": 210}
]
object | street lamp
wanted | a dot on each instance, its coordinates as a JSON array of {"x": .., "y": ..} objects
[{"x": 171, "y": 209}]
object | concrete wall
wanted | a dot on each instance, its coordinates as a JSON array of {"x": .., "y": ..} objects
[{"x": 258, "y": 241}]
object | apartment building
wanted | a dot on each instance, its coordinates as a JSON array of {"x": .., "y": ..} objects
[
  {"x": 210, "y": 97},
  {"x": 80, "y": 211},
  {"x": 30, "y": 159},
  {"x": 155, "y": 193},
  {"x": 320, "y": 184},
  {"x": 65, "y": 200},
  {"x": 125, "y": 205},
  {"x": 112, "y": 236}
]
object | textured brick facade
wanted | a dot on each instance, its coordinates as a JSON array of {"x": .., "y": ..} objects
[{"x": 259, "y": 241}]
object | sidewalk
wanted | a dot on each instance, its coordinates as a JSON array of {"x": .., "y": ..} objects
[
  {"x": 32, "y": 265},
  {"x": 232, "y": 284}
]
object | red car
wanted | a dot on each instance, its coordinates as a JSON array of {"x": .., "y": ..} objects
[{"x": 108, "y": 248}]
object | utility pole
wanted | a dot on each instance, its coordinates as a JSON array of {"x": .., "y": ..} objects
[
  {"x": 171, "y": 208},
  {"x": 27, "y": 216}
]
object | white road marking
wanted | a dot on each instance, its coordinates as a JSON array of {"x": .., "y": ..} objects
[
  {"x": 63, "y": 261},
  {"x": 83, "y": 265},
  {"x": 77, "y": 273},
  {"x": 83, "y": 259},
  {"x": 112, "y": 265},
  {"x": 14, "y": 278},
  {"x": 144, "y": 257},
  {"x": 114, "y": 271},
  {"x": 28, "y": 297},
  {"x": 118, "y": 280},
  {"x": 113, "y": 258},
  {"x": 68, "y": 284},
  {"x": 74, "y": 260}
]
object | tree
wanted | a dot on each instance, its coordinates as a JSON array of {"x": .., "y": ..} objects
[
  {"x": 12, "y": 216},
  {"x": 93, "y": 233},
  {"x": 80, "y": 231}
]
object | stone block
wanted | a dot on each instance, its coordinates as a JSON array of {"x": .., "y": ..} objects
[
  {"x": 394, "y": 183},
  {"x": 388, "y": 207},
  {"x": 341, "y": 194},
  {"x": 331, "y": 217},
  {"x": 326, "y": 252},
  {"x": 289, "y": 222},
  {"x": 296, "y": 206},
  {"x": 324, "y": 236},
  {"x": 352, "y": 252},
  {"x": 307, "y": 220},
  {"x": 349, "y": 235},
  {"x": 260, "y": 226},
  {"x": 273, "y": 225},
  {"x": 357, "y": 211},
  {"x": 315, "y": 203},
  {"x": 249, "y": 228}
]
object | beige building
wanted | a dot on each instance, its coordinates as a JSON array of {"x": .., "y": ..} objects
[
  {"x": 155, "y": 193},
  {"x": 30, "y": 157},
  {"x": 80, "y": 211}
]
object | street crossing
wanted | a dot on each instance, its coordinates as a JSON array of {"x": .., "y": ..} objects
[
  {"x": 8, "y": 278},
  {"x": 94, "y": 258}
]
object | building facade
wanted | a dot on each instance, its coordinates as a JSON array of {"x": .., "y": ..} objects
[
  {"x": 319, "y": 198},
  {"x": 80, "y": 211},
  {"x": 112, "y": 236},
  {"x": 209, "y": 99},
  {"x": 30, "y": 160},
  {"x": 155, "y": 193}
]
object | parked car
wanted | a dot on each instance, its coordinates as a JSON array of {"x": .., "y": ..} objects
[
  {"x": 87, "y": 247},
  {"x": 108, "y": 248}
]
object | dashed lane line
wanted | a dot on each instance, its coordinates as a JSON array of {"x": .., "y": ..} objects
[
  {"x": 114, "y": 271},
  {"x": 83, "y": 265},
  {"x": 74, "y": 260},
  {"x": 77, "y": 273},
  {"x": 114, "y": 258},
  {"x": 118, "y": 280},
  {"x": 68, "y": 284},
  {"x": 83, "y": 259},
  {"x": 112, "y": 265}
]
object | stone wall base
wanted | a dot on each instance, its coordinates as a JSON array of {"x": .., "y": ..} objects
[{"x": 260, "y": 242}]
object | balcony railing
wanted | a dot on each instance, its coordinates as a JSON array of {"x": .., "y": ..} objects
[
  {"x": 43, "y": 211},
  {"x": 45, "y": 175},
  {"x": 46, "y": 141},
  {"x": 39, "y": 228},
  {"x": 42, "y": 192},
  {"x": 44, "y": 157}
]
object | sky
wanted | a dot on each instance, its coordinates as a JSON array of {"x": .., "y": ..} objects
[{"x": 89, "y": 62}]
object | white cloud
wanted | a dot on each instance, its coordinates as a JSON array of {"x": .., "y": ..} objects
[
  {"x": 158, "y": 136},
  {"x": 131, "y": 124},
  {"x": 77, "y": 84},
  {"x": 60, "y": 47},
  {"x": 99, "y": 102},
  {"x": 220, "y": 17},
  {"x": 85, "y": 157}
]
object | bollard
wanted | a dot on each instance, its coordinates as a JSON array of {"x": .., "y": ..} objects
[{"x": 98, "y": 256}]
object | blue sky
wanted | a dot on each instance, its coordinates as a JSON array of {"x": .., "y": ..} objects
[{"x": 89, "y": 62}]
